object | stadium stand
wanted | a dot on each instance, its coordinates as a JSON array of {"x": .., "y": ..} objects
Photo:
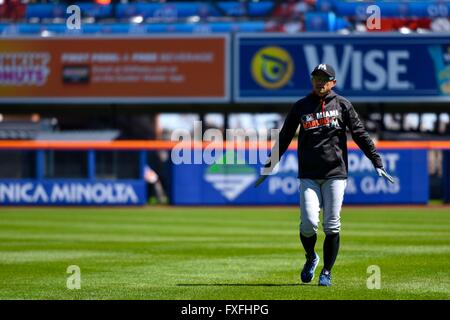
[{"x": 101, "y": 16}]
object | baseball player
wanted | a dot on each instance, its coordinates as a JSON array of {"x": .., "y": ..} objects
[{"x": 324, "y": 117}]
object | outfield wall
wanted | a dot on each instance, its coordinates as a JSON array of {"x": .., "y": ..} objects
[
  {"x": 218, "y": 183},
  {"x": 225, "y": 184}
]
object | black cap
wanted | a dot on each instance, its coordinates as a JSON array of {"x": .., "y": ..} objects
[{"x": 325, "y": 68}]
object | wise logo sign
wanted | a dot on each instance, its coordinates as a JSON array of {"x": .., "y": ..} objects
[
  {"x": 272, "y": 67},
  {"x": 230, "y": 179},
  {"x": 380, "y": 68}
]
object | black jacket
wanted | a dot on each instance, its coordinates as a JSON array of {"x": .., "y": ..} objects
[{"x": 322, "y": 142}]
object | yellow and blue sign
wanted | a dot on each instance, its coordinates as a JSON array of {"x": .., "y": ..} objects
[{"x": 273, "y": 68}]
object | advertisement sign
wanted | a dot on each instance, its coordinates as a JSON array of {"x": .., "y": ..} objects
[
  {"x": 369, "y": 68},
  {"x": 71, "y": 192},
  {"x": 232, "y": 184},
  {"x": 172, "y": 69}
]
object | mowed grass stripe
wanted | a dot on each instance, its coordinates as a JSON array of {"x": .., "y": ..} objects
[{"x": 217, "y": 253}]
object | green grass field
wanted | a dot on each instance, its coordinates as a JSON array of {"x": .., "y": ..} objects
[{"x": 218, "y": 253}]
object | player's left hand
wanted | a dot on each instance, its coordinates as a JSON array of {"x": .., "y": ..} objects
[{"x": 382, "y": 173}]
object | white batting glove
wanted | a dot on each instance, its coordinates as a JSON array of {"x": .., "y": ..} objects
[{"x": 382, "y": 173}]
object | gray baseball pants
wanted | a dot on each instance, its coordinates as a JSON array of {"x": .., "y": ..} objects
[{"x": 316, "y": 194}]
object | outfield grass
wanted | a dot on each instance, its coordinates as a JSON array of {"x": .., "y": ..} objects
[{"x": 217, "y": 253}]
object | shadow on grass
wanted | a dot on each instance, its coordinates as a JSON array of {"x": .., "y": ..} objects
[{"x": 243, "y": 284}]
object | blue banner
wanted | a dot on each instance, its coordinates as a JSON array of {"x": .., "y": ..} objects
[
  {"x": 273, "y": 68},
  {"x": 232, "y": 184},
  {"x": 72, "y": 192}
]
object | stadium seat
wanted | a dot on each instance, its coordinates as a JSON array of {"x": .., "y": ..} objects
[
  {"x": 432, "y": 9},
  {"x": 158, "y": 27},
  {"x": 26, "y": 28},
  {"x": 242, "y": 9},
  {"x": 258, "y": 9},
  {"x": 95, "y": 10},
  {"x": 250, "y": 26},
  {"x": 233, "y": 9},
  {"x": 320, "y": 21},
  {"x": 56, "y": 28},
  {"x": 42, "y": 11},
  {"x": 115, "y": 28},
  {"x": 91, "y": 28},
  {"x": 124, "y": 11},
  {"x": 165, "y": 10}
]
